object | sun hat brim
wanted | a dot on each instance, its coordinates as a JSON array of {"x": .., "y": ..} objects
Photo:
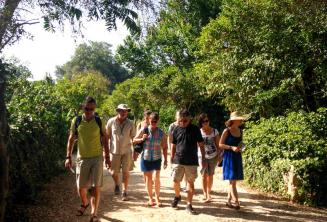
[{"x": 241, "y": 117}]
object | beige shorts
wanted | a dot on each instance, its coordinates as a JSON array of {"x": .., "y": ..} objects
[
  {"x": 121, "y": 161},
  {"x": 179, "y": 171},
  {"x": 89, "y": 172},
  {"x": 211, "y": 166}
]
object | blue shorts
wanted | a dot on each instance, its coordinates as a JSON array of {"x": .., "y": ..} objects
[{"x": 148, "y": 166}]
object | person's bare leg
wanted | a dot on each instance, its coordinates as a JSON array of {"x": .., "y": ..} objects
[
  {"x": 157, "y": 187},
  {"x": 115, "y": 178},
  {"x": 148, "y": 186},
  {"x": 95, "y": 200},
  {"x": 204, "y": 186},
  {"x": 234, "y": 191},
  {"x": 190, "y": 191},
  {"x": 83, "y": 195},
  {"x": 125, "y": 181},
  {"x": 209, "y": 186},
  {"x": 177, "y": 188}
]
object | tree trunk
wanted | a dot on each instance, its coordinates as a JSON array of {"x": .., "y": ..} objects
[
  {"x": 4, "y": 132},
  {"x": 6, "y": 16}
]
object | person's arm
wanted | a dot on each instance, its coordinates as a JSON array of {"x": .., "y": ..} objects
[
  {"x": 106, "y": 155},
  {"x": 173, "y": 146},
  {"x": 140, "y": 137},
  {"x": 173, "y": 151},
  {"x": 217, "y": 139},
  {"x": 70, "y": 146},
  {"x": 224, "y": 146},
  {"x": 108, "y": 130},
  {"x": 164, "y": 149}
]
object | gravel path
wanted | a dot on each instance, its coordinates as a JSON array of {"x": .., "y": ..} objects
[{"x": 59, "y": 201}]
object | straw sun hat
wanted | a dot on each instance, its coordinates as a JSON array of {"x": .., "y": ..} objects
[
  {"x": 123, "y": 107},
  {"x": 236, "y": 116}
]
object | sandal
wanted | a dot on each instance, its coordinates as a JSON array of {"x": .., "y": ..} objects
[
  {"x": 94, "y": 218},
  {"x": 149, "y": 204},
  {"x": 81, "y": 211},
  {"x": 229, "y": 204},
  {"x": 236, "y": 205}
]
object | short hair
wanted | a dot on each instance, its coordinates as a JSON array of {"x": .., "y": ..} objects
[
  {"x": 147, "y": 112},
  {"x": 184, "y": 113},
  {"x": 89, "y": 99},
  {"x": 201, "y": 118},
  {"x": 154, "y": 115}
]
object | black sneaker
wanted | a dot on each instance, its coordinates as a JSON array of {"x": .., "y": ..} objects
[
  {"x": 189, "y": 209},
  {"x": 117, "y": 190},
  {"x": 175, "y": 201}
]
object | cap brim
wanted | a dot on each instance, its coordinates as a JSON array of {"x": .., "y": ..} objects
[{"x": 122, "y": 109}]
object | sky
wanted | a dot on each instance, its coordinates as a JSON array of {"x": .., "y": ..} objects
[{"x": 47, "y": 50}]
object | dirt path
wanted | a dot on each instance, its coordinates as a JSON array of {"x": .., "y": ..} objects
[{"x": 59, "y": 201}]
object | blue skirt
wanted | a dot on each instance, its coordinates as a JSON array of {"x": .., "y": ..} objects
[
  {"x": 148, "y": 166},
  {"x": 232, "y": 166}
]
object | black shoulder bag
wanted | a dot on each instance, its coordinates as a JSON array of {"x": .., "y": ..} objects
[{"x": 139, "y": 147}]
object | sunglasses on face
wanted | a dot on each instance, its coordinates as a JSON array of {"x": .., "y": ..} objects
[
  {"x": 205, "y": 121},
  {"x": 122, "y": 111},
  {"x": 153, "y": 121}
]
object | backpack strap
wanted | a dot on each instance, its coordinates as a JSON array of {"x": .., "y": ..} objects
[
  {"x": 99, "y": 122},
  {"x": 77, "y": 122}
]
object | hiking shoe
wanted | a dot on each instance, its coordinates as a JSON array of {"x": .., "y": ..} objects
[
  {"x": 175, "y": 201},
  {"x": 124, "y": 196},
  {"x": 117, "y": 190},
  {"x": 189, "y": 209}
]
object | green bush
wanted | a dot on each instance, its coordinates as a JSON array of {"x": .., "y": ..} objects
[
  {"x": 277, "y": 143},
  {"x": 38, "y": 134}
]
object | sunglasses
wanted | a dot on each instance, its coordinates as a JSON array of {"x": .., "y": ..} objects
[
  {"x": 205, "y": 121},
  {"x": 88, "y": 109},
  {"x": 154, "y": 121}
]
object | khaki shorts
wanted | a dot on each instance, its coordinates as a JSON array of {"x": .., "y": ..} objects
[
  {"x": 211, "y": 166},
  {"x": 179, "y": 170},
  {"x": 121, "y": 161},
  {"x": 89, "y": 172}
]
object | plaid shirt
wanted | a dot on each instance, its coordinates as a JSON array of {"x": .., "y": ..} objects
[{"x": 152, "y": 145}]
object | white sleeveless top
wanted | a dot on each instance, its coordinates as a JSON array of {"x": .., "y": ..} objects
[{"x": 209, "y": 144}]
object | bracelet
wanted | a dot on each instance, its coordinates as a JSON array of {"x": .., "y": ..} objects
[
  {"x": 68, "y": 157},
  {"x": 230, "y": 147}
]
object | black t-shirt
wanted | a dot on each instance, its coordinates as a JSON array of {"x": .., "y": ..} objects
[{"x": 186, "y": 141}]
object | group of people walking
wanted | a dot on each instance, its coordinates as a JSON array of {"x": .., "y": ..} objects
[{"x": 190, "y": 146}]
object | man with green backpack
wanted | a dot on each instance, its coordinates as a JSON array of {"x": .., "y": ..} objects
[{"x": 90, "y": 134}]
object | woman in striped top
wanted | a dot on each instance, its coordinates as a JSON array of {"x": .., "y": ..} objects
[{"x": 155, "y": 144}]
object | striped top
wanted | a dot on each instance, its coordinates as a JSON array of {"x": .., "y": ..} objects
[{"x": 152, "y": 145}]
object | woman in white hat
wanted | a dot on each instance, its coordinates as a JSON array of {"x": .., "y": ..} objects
[{"x": 231, "y": 141}]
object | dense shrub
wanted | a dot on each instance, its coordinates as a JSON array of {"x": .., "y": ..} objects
[
  {"x": 277, "y": 143},
  {"x": 38, "y": 133}
]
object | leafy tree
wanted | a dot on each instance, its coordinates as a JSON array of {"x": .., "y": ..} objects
[
  {"x": 95, "y": 56},
  {"x": 54, "y": 13},
  {"x": 267, "y": 57},
  {"x": 170, "y": 41},
  {"x": 71, "y": 92}
]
